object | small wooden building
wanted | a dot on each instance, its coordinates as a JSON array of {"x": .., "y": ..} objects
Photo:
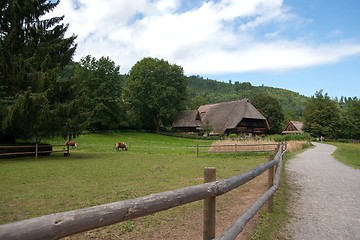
[
  {"x": 224, "y": 118},
  {"x": 294, "y": 127}
]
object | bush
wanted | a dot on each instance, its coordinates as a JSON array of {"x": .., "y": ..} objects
[
  {"x": 232, "y": 136},
  {"x": 347, "y": 140},
  {"x": 290, "y": 137}
]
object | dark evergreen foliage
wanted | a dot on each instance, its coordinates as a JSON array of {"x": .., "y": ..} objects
[
  {"x": 350, "y": 110},
  {"x": 33, "y": 51}
]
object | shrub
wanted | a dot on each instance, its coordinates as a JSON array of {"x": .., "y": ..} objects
[
  {"x": 232, "y": 136},
  {"x": 290, "y": 137}
]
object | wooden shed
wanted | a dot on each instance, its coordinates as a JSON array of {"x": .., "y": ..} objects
[{"x": 293, "y": 127}]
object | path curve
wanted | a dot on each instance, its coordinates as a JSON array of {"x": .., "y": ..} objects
[{"x": 326, "y": 202}]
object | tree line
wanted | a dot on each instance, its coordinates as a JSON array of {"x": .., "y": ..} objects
[
  {"x": 44, "y": 93},
  {"x": 332, "y": 118},
  {"x": 322, "y": 116}
]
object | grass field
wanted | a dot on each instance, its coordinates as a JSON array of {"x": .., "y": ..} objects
[
  {"x": 95, "y": 173},
  {"x": 348, "y": 153}
]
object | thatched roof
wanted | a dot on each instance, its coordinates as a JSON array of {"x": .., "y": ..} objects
[
  {"x": 227, "y": 115},
  {"x": 188, "y": 118},
  {"x": 293, "y": 127}
]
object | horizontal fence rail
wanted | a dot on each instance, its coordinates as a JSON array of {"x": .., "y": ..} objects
[
  {"x": 58, "y": 225},
  {"x": 35, "y": 152},
  {"x": 241, "y": 222},
  {"x": 228, "y": 148}
]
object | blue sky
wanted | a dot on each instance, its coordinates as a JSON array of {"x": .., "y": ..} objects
[
  {"x": 325, "y": 22},
  {"x": 300, "y": 45}
]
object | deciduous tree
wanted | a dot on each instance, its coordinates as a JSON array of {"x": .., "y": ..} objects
[
  {"x": 100, "y": 93},
  {"x": 322, "y": 116},
  {"x": 272, "y": 111},
  {"x": 351, "y": 119},
  {"x": 155, "y": 91}
]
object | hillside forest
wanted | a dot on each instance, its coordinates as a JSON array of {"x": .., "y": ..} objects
[{"x": 44, "y": 93}]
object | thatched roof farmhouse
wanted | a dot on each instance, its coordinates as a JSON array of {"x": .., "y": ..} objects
[
  {"x": 188, "y": 121},
  {"x": 293, "y": 127},
  {"x": 224, "y": 118}
]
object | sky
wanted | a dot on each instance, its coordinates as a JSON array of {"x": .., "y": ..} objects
[{"x": 300, "y": 45}]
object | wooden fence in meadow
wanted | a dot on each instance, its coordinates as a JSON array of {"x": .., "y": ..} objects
[
  {"x": 237, "y": 147},
  {"x": 58, "y": 225},
  {"x": 7, "y": 151}
]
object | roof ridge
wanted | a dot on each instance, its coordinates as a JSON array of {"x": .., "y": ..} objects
[{"x": 218, "y": 103}]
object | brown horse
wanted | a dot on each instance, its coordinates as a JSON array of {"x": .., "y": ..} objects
[
  {"x": 121, "y": 145},
  {"x": 71, "y": 143}
]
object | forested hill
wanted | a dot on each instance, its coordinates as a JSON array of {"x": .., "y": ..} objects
[{"x": 204, "y": 91}]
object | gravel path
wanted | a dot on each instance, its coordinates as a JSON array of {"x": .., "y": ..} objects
[{"x": 326, "y": 202}]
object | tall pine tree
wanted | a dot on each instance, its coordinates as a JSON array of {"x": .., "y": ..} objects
[{"x": 33, "y": 51}]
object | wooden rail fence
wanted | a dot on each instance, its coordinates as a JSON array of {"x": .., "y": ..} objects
[
  {"x": 228, "y": 148},
  {"x": 35, "y": 152},
  {"x": 58, "y": 225}
]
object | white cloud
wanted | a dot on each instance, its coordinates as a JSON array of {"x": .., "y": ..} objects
[
  {"x": 214, "y": 37},
  {"x": 273, "y": 56}
]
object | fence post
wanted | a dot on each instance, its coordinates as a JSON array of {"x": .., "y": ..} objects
[
  {"x": 270, "y": 184},
  {"x": 209, "y": 206},
  {"x": 197, "y": 150},
  {"x": 36, "y": 150}
]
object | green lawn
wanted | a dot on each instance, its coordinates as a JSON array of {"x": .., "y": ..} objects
[
  {"x": 348, "y": 153},
  {"x": 95, "y": 173}
]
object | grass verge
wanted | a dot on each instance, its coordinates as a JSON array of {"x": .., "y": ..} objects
[
  {"x": 348, "y": 153},
  {"x": 271, "y": 224}
]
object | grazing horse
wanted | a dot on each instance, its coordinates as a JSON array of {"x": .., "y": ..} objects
[
  {"x": 121, "y": 145},
  {"x": 71, "y": 143}
]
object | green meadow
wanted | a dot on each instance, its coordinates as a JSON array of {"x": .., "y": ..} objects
[
  {"x": 348, "y": 153},
  {"x": 95, "y": 173}
]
